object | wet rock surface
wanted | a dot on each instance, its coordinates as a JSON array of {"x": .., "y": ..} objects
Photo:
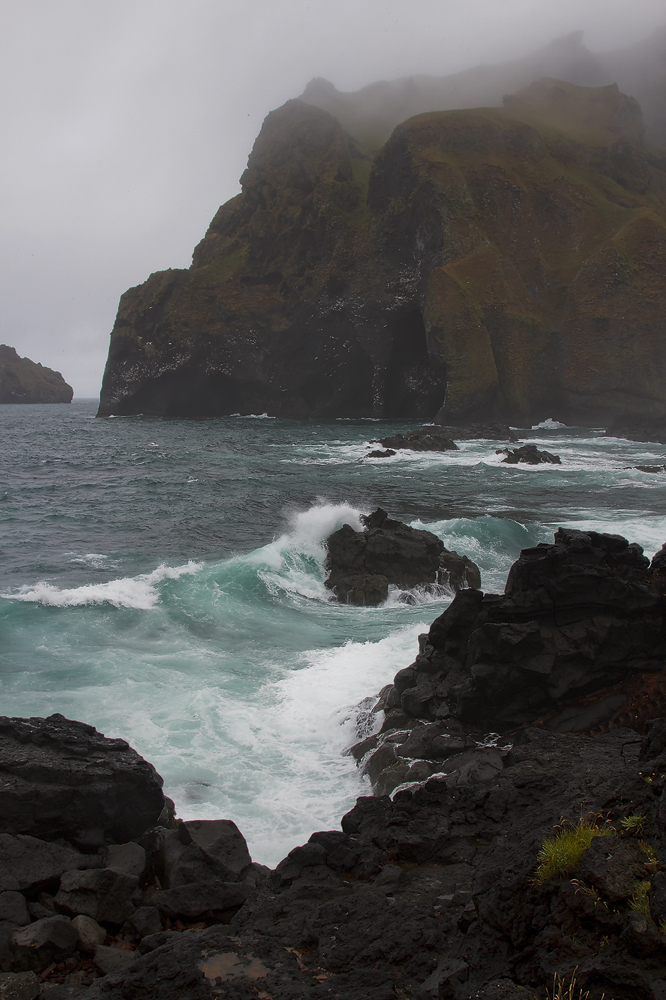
[
  {"x": 424, "y": 439},
  {"x": 362, "y": 565},
  {"x": 529, "y": 454}
]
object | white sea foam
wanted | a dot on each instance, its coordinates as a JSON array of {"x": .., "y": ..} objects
[
  {"x": 140, "y": 592},
  {"x": 253, "y": 416},
  {"x": 282, "y": 762},
  {"x": 95, "y": 559},
  {"x": 294, "y": 562},
  {"x": 548, "y": 425}
]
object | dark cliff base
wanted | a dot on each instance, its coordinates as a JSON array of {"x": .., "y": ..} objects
[
  {"x": 501, "y": 263},
  {"x": 508, "y": 860},
  {"x": 23, "y": 381}
]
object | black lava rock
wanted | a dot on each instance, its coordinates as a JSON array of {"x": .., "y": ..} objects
[
  {"x": 60, "y": 778},
  {"x": 362, "y": 564},
  {"x": 530, "y": 455}
]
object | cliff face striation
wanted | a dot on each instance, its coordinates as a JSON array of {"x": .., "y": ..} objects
[
  {"x": 503, "y": 263},
  {"x": 23, "y": 381}
]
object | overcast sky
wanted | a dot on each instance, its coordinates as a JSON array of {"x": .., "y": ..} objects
[{"x": 126, "y": 123}]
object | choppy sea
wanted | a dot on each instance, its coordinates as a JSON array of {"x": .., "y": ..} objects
[{"x": 163, "y": 580}]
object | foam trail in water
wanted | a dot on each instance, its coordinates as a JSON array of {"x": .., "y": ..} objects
[
  {"x": 281, "y": 772},
  {"x": 139, "y": 592}
]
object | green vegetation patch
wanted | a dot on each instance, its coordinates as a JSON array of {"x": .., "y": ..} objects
[{"x": 562, "y": 853}]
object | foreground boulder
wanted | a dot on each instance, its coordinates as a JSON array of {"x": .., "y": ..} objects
[
  {"x": 60, "y": 778},
  {"x": 578, "y": 617},
  {"x": 362, "y": 565}
]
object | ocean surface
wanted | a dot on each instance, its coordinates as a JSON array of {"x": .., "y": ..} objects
[{"x": 163, "y": 580}]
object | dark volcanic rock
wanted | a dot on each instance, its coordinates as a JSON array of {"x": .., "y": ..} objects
[
  {"x": 23, "y": 381},
  {"x": 577, "y": 617},
  {"x": 424, "y": 439},
  {"x": 362, "y": 564},
  {"x": 60, "y": 778},
  {"x": 530, "y": 454},
  {"x": 389, "y": 453},
  {"x": 27, "y": 863},
  {"x": 481, "y": 432},
  {"x": 211, "y": 900},
  {"x": 102, "y": 894},
  {"x": 49, "y": 940}
]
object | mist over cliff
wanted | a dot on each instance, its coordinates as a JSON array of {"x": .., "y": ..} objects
[
  {"x": 501, "y": 262},
  {"x": 371, "y": 113}
]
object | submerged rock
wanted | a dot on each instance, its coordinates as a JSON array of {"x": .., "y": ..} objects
[
  {"x": 530, "y": 454},
  {"x": 425, "y": 439},
  {"x": 362, "y": 565},
  {"x": 23, "y": 381}
]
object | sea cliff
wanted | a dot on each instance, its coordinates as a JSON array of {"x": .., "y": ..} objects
[
  {"x": 499, "y": 263},
  {"x": 23, "y": 381}
]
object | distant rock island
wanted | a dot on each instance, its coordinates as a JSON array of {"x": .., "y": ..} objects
[
  {"x": 23, "y": 381},
  {"x": 498, "y": 264}
]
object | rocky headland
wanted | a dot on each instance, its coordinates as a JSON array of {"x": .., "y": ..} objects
[
  {"x": 24, "y": 381},
  {"x": 498, "y": 264},
  {"x": 524, "y": 836}
]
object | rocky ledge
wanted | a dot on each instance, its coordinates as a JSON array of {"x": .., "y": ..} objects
[
  {"x": 362, "y": 565},
  {"x": 534, "y": 851}
]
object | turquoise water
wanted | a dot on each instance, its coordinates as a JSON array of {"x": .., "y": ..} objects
[{"x": 163, "y": 580}]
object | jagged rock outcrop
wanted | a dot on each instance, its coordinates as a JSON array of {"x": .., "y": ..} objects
[
  {"x": 362, "y": 565},
  {"x": 579, "y": 617},
  {"x": 23, "y": 381},
  {"x": 498, "y": 264}
]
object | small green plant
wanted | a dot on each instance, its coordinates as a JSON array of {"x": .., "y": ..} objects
[
  {"x": 588, "y": 890},
  {"x": 651, "y": 861},
  {"x": 634, "y": 822},
  {"x": 639, "y": 900},
  {"x": 562, "y": 853}
]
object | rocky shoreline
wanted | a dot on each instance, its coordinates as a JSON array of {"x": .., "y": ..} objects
[{"x": 528, "y": 713}]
